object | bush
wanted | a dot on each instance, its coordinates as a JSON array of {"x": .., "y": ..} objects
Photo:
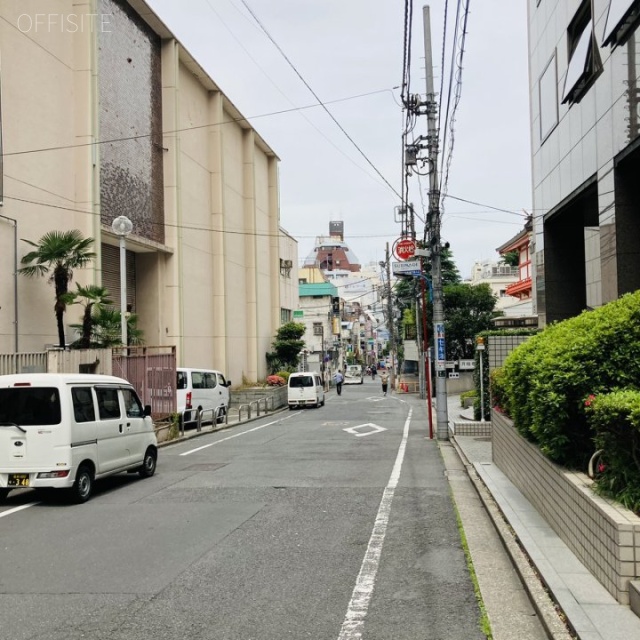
[
  {"x": 467, "y": 394},
  {"x": 615, "y": 419},
  {"x": 497, "y": 382},
  {"x": 284, "y": 374},
  {"x": 276, "y": 381},
  {"x": 547, "y": 378}
]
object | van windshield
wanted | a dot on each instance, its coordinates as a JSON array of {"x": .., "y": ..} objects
[
  {"x": 301, "y": 381},
  {"x": 30, "y": 406}
]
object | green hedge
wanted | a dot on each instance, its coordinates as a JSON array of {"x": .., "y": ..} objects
[
  {"x": 615, "y": 419},
  {"x": 547, "y": 378},
  {"x": 488, "y": 398}
]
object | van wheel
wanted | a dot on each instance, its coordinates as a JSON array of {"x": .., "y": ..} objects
[
  {"x": 148, "y": 467},
  {"x": 83, "y": 486},
  {"x": 322, "y": 403}
]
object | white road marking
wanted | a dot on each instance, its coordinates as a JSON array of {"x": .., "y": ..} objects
[
  {"x": 8, "y": 512},
  {"x": 237, "y": 435},
  {"x": 362, "y": 592},
  {"x": 373, "y": 428}
]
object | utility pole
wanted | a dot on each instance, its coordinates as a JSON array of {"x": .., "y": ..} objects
[
  {"x": 392, "y": 332},
  {"x": 433, "y": 230}
]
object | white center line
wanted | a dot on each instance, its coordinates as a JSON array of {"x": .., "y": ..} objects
[
  {"x": 8, "y": 512},
  {"x": 237, "y": 435},
  {"x": 362, "y": 592}
]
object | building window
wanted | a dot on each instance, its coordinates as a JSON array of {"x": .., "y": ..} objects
[
  {"x": 285, "y": 268},
  {"x": 584, "y": 59},
  {"x": 622, "y": 17},
  {"x": 548, "y": 97},
  {"x": 285, "y": 316}
]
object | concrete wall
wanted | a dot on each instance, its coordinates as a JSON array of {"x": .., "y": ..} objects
[
  {"x": 602, "y": 534},
  {"x": 210, "y": 282}
]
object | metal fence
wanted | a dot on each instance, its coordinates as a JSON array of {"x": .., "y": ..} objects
[
  {"x": 23, "y": 363},
  {"x": 152, "y": 372}
]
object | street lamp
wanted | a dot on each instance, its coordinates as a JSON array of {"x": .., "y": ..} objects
[{"x": 122, "y": 227}]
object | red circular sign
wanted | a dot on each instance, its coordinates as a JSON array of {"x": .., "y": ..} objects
[{"x": 404, "y": 248}]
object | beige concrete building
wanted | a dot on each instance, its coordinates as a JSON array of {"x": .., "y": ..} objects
[{"x": 103, "y": 114}]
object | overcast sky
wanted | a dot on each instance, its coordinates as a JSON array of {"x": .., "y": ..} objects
[{"x": 347, "y": 48}]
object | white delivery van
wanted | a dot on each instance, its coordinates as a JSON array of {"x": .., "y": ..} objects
[
  {"x": 305, "y": 390},
  {"x": 63, "y": 431},
  {"x": 353, "y": 374},
  {"x": 200, "y": 390}
]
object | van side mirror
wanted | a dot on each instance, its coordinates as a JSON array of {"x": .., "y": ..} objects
[
  {"x": 228, "y": 383},
  {"x": 147, "y": 410}
]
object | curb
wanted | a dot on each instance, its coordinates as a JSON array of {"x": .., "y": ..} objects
[
  {"x": 224, "y": 427},
  {"x": 548, "y": 611}
]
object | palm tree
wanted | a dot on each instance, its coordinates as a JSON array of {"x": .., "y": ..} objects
[
  {"x": 91, "y": 297},
  {"x": 107, "y": 324},
  {"x": 58, "y": 253}
]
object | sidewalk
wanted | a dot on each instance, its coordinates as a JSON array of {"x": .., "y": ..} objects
[{"x": 590, "y": 611}]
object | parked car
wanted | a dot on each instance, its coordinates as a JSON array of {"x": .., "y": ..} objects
[
  {"x": 353, "y": 374},
  {"x": 64, "y": 431},
  {"x": 201, "y": 390},
  {"x": 305, "y": 389}
]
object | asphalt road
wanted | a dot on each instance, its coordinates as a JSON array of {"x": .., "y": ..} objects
[{"x": 304, "y": 524}]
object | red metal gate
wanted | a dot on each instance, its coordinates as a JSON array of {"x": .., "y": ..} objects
[{"x": 152, "y": 372}]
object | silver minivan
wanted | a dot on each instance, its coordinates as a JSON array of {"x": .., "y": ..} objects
[
  {"x": 201, "y": 390},
  {"x": 64, "y": 431},
  {"x": 305, "y": 389}
]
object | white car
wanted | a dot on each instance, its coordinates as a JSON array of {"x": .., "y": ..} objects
[
  {"x": 201, "y": 390},
  {"x": 63, "y": 431},
  {"x": 353, "y": 374}
]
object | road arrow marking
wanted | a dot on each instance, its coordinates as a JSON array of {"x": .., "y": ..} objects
[{"x": 372, "y": 428}]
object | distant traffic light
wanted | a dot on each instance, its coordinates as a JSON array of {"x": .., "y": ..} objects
[{"x": 335, "y": 303}]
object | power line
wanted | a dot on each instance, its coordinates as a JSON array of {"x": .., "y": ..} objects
[
  {"x": 320, "y": 102},
  {"x": 194, "y": 128}
]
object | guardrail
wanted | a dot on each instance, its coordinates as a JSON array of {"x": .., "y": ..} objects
[
  {"x": 215, "y": 415},
  {"x": 220, "y": 416}
]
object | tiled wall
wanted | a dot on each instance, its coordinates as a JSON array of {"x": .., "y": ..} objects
[
  {"x": 603, "y": 535},
  {"x": 472, "y": 428},
  {"x": 500, "y": 347}
]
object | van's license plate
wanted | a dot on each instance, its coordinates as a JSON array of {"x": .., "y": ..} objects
[{"x": 18, "y": 480}]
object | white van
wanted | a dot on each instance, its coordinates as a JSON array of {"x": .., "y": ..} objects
[
  {"x": 200, "y": 390},
  {"x": 305, "y": 389},
  {"x": 63, "y": 431},
  {"x": 353, "y": 374}
]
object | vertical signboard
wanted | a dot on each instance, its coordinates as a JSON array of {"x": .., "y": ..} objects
[{"x": 440, "y": 347}]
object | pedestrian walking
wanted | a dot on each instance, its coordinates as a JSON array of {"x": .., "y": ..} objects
[
  {"x": 339, "y": 378},
  {"x": 384, "y": 378}
]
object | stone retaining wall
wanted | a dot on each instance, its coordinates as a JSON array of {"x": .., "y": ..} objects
[
  {"x": 602, "y": 534},
  {"x": 246, "y": 396}
]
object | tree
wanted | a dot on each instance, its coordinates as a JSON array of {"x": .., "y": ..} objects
[
  {"x": 468, "y": 310},
  {"x": 91, "y": 298},
  {"x": 287, "y": 346},
  {"x": 57, "y": 254},
  {"x": 107, "y": 328},
  {"x": 511, "y": 258}
]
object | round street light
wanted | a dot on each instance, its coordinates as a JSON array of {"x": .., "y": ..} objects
[{"x": 122, "y": 227}]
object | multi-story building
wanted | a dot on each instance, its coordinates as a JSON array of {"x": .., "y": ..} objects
[
  {"x": 499, "y": 277},
  {"x": 104, "y": 114},
  {"x": 520, "y": 312},
  {"x": 585, "y": 132}
]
